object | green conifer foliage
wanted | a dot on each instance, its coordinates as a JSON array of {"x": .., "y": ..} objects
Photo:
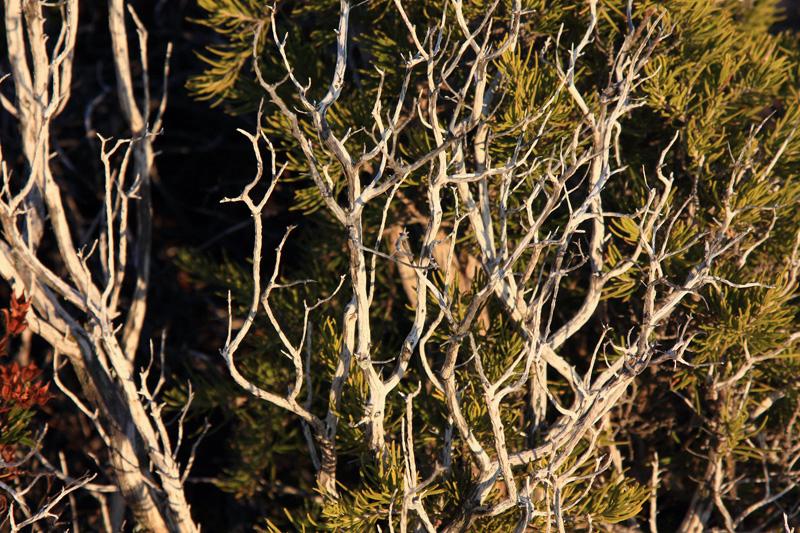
[{"x": 707, "y": 440}]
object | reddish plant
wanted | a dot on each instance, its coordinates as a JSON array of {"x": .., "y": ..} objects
[
  {"x": 15, "y": 320},
  {"x": 18, "y": 387},
  {"x": 20, "y": 390}
]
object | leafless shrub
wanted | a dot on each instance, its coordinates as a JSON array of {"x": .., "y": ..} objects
[
  {"x": 522, "y": 269},
  {"x": 79, "y": 303}
]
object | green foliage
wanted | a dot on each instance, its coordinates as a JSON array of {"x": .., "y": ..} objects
[
  {"x": 719, "y": 76},
  {"x": 235, "y": 20},
  {"x": 369, "y": 505}
]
